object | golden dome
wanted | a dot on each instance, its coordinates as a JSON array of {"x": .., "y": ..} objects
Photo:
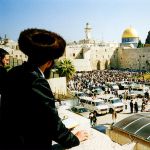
[{"x": 129, "y": 33}]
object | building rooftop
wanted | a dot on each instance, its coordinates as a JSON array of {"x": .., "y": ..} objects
[{"x": 137, "y": 125}]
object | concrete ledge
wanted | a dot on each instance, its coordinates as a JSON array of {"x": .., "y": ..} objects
[{"x": 97, "y": 140}]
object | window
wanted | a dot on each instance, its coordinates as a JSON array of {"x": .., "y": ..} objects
[
  {"x": 93, "y": 103},
  {"x": 89, "y": 102},
  {"x": 82, "y": 101}
]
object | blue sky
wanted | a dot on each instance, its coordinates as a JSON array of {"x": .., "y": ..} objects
[{"x": 108, "y": 18}]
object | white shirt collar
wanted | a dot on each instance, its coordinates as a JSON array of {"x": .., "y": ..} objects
[{"x": 41, "y": 72}]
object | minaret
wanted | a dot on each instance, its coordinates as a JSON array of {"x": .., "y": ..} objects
[{"x": 88, "y": 31}]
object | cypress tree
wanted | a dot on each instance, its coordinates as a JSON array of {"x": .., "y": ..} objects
[
  {"x": 148, "y": 38},
  {"x": 139, "y": 44}
]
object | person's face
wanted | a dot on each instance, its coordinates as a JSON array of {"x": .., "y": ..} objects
[{"x": 5, "y": 60}]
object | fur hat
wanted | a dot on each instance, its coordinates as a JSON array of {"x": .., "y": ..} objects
[{"x": 40, "y": 44}]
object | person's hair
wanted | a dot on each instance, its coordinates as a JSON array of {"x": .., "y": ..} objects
[
  {"x": 2, "y": 54},
  {"x": 41, "y": 45}
]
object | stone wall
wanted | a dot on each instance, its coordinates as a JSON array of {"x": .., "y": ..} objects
[
  {"x": 58, "y": 86},
  {"x": 110, "y": 57},
  {"x": 99, "y": 55},
  {"x": 136, "y": 59},
  {"x": 82, "y": 64},
  {"x": 73, "y": 51}
]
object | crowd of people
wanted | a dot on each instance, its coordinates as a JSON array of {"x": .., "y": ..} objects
[{"x": 84, "y": 81}]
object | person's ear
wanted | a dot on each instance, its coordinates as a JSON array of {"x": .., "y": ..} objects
[{"x": 50, "y": 63}]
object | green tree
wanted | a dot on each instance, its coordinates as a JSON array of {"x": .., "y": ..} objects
[
  {"x": 65, "y": 68},
  {"x": 148, "y": 38},
  {"x": 139, "y": 44}
]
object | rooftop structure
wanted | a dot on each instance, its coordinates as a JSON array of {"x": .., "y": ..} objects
[
  {"x": 138, "y": 125},
  {"x": 135, "y": 128}
]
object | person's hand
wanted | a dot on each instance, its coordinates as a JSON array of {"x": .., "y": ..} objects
[{"x": 82, "y": 135}]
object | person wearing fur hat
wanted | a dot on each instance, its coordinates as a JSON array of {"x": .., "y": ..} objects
[
  {"x": 4, "y": 60},
  {"x": 30, "y": 118}
]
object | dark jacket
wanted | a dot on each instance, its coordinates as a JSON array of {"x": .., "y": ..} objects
[
  {"x": 30, "y": 119},
  {"x": 3, "y": 73}
]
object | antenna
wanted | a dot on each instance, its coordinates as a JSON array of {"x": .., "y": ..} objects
[{"x": 102, "y": 37}]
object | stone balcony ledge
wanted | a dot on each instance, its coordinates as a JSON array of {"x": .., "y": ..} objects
[{"x": 97, "y": 140}]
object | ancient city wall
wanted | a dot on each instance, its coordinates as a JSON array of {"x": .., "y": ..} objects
[
  {"x": 82, "y": 64},
  {"x": 138, "y": 59}
]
